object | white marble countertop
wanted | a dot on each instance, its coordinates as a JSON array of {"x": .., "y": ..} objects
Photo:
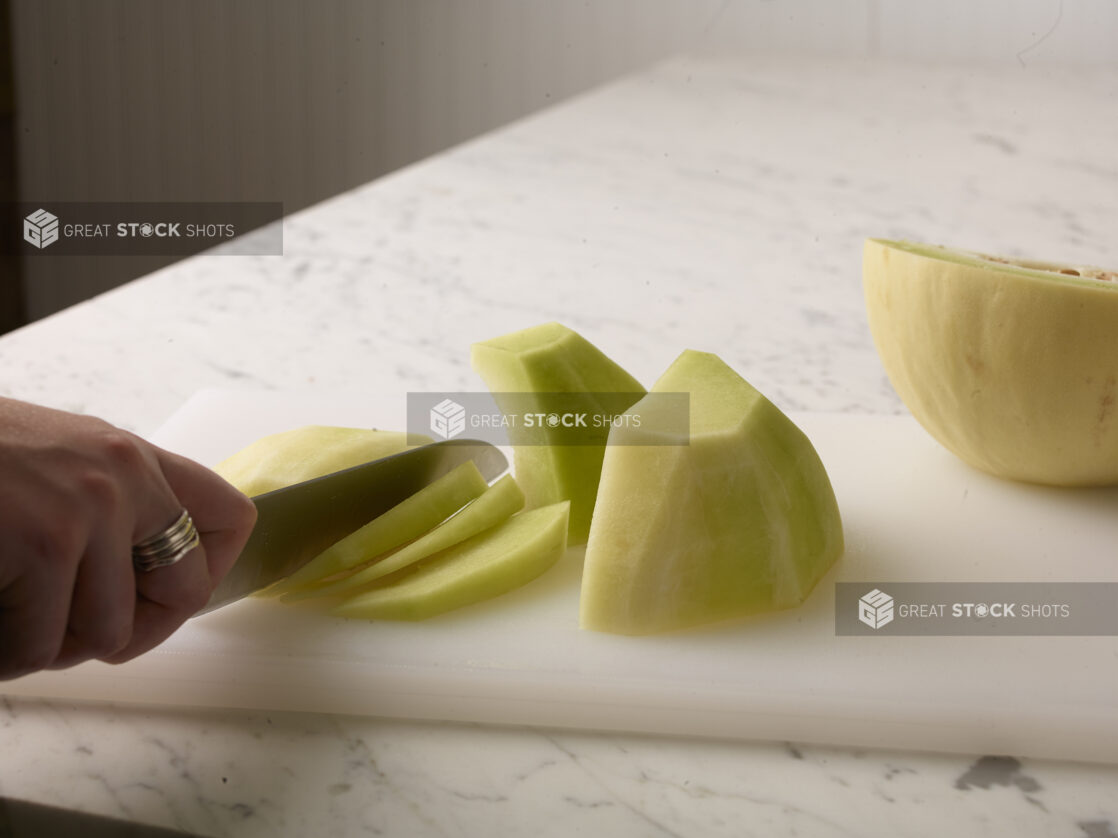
[{"x": 717, "y": 204}]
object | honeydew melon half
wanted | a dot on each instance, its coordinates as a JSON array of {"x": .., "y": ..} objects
[
  {"x": 487, "y": 565},
  {"x": 1010, "y": 364},
  {"x": 283, "y": 459},
  {"x": 554, "y": 369},
  {"x": 736, "y": 518}
]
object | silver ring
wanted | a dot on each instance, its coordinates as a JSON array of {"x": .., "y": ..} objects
[{"x": 167, "y": 547}]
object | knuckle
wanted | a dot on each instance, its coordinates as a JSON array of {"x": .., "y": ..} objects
[
  {"x": 54, "y": 545},
  {"x": 100, "y": 489},
  {"x": 119, "y": 449}
]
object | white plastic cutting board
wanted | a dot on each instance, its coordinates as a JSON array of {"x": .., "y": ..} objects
[{"x": 911, "y": 513}]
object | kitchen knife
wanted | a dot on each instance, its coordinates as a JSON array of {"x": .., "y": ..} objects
[{"x": 296, "y": 523}]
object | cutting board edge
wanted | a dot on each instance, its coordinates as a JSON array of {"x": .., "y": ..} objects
[{"x": 1082, "y": 739}]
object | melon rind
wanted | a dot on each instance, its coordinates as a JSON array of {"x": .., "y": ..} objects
[{"x": 1013, "y": 368}]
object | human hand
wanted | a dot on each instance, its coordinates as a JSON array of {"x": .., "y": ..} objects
[{"x": 76, "y": 494}]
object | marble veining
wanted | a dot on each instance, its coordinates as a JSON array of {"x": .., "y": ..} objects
[
  {"x": 709, "y": 203},
  {"x": 255, "y": 774}
]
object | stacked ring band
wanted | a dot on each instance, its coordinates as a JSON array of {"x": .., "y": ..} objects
[{"x": 167, "y": 547}]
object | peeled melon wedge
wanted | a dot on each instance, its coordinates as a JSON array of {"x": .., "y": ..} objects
[
  {"x": 1010, "y": 364},
  {"x": 497, "y": 504},
  {"x": 407, "y": 520},
  {"x": 488, "y": 564},
  {"x": 735, "y": 518},
  {"x": 290, "y": 457},
  {"x": 538, "y": 363}
]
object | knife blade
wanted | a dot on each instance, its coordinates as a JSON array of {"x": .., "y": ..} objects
[{"x": 296, "y": 523}]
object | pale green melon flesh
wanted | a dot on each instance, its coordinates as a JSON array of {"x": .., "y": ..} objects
[
  {"x": 487, "y": 565},
  {"x": 407, "y": 520},
  {"x": 741, "y": 520},
  {"x": 1036, "y": 268},
  {"x": 497, "y": 504},
  {"x": 290, "y": 457},
  {"x": 551, "y": 358}
]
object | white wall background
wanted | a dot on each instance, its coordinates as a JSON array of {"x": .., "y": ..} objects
[{"x": 297, "y": 100}]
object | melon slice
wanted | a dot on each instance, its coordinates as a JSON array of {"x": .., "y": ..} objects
[
  {"x": 554, "y": 369},
  {"x": 482, "y": 567},
  {"x": 407, "y": 520},
  {"x": 497, "y": 504},
  {"x": 736, "y": 518},
  {"x": 1011, "y": 364},
  {"x": 290, "y": 457}
]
